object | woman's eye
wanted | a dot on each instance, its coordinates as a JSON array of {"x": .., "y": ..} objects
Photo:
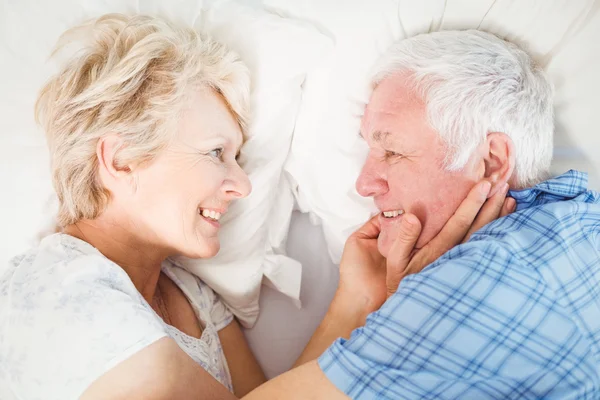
[{"x": 217, "y": 153}]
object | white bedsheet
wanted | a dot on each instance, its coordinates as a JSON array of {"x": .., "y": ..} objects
[{"x": 282, "y": 330}]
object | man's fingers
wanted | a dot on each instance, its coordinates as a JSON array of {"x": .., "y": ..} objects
[
  {"x": 490, "y": 211},
  {"x": 458, "y": 225},
  {"x": 401, "y": 251}
]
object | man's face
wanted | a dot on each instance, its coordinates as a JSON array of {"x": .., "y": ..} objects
[{"x": 404, "y": 170}]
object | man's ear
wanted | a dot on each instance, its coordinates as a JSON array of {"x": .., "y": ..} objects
[
  {"x": 106, "y": 151},
  {"x": 499, "y": 160}
]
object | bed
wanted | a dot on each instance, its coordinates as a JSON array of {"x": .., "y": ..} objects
[{"x": 311, "y": 97}]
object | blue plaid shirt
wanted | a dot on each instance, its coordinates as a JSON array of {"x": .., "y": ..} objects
[{"x": 514, "y": 313}]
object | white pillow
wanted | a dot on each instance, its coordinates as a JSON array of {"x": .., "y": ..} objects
[
  {"x": 255, "y": 228},
  {"x": 327, "y": 154},
  {"x": 279, "y": 52}
]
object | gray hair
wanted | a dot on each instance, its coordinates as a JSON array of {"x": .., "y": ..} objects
[{"x": 474, "y": 83}]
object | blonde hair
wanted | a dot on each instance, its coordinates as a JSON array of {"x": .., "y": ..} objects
[{"x": 132, "y": 76}]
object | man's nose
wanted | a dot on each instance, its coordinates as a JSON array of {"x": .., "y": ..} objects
[{"x": 371, "y": 181}]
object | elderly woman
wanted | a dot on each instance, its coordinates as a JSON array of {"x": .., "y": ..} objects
[{"x": 144, "y": 127}]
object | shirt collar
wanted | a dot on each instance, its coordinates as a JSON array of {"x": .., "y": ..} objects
[{"x": 563, "y": 187}]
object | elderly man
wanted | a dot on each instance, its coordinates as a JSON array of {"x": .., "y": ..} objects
[{"x": 514, "y": 312}]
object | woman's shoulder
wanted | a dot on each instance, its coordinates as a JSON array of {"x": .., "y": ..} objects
[
  {"x": 58, "y": 249},
  {"x": 59, "y": 265},
  {"x": 66, "y": 278},
  {"x": 69, "y": 314}
]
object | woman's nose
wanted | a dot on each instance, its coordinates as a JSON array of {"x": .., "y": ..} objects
[{"x": 239, "y": 185}]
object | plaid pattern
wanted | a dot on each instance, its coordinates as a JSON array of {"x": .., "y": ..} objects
[{"x": 512, "y": 314}]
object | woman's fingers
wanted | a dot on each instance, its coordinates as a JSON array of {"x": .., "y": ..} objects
[
  {"x": 459, "y": 224},
  {"x": 451, "y": 234},
  {"x": 491, "y": 210},
  {"x": 401, "y": 252},
  {"x": 370, "y": 230},
  {"x": 510, "y": 205},
  {"x": 474, "y": 212}
]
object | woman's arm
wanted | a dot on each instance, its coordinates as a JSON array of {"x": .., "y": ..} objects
[
  {"x": 367, "y": 280},
  {"x": 164, "y": 371},
  {"x": 161, "y": 371},
  {"x": 246, "y": 374}
]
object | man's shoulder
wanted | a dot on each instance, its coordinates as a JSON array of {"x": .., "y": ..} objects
[
  {"x": 534, "y": 242},
  {"x": 530, "y": 231},
  {"x": 549, "y": 245}
]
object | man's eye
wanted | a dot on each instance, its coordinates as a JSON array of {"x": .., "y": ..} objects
[
  {"x": 392, "y": 154},
  {"x": 217, "y": 153}
]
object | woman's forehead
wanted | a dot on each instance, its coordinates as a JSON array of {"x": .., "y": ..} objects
[{"x": 208, "y": 118}]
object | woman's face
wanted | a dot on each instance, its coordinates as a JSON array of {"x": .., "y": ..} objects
[{"x": 183, "y": 192}]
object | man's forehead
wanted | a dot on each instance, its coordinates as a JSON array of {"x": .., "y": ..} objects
[
  {"x": 394, "y": 108},
  {"x": 393, "y": 94},
  {"x": 378, "y": 127}
]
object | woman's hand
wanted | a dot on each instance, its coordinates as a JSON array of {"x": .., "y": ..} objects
[
  {"x": 475, "y": 211},
  {"x": 367, "y": 279},
  {"x": 362, "y": 269}
]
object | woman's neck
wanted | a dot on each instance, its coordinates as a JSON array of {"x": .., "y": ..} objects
[{"x": 122, "y": 244}]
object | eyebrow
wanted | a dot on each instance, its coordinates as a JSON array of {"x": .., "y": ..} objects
[
  {"x": 380, "y": 136},
  {"x": 219, "y": 135}
]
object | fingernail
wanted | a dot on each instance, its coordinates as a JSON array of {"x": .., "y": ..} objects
[
  {"x": 512, "y": 204},
  {"x": 485, "y": 188},
  {"x": 409, "y": 220}
]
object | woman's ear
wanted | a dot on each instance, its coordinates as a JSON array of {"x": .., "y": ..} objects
[
  {"x": 106, "y": 151},
  {"x": 499, "y": 160}
]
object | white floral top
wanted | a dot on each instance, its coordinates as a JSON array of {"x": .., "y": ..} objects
[{"x": 68, "y": 314}]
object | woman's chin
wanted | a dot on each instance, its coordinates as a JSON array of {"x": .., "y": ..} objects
[{"x": 202, "y": 250}]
